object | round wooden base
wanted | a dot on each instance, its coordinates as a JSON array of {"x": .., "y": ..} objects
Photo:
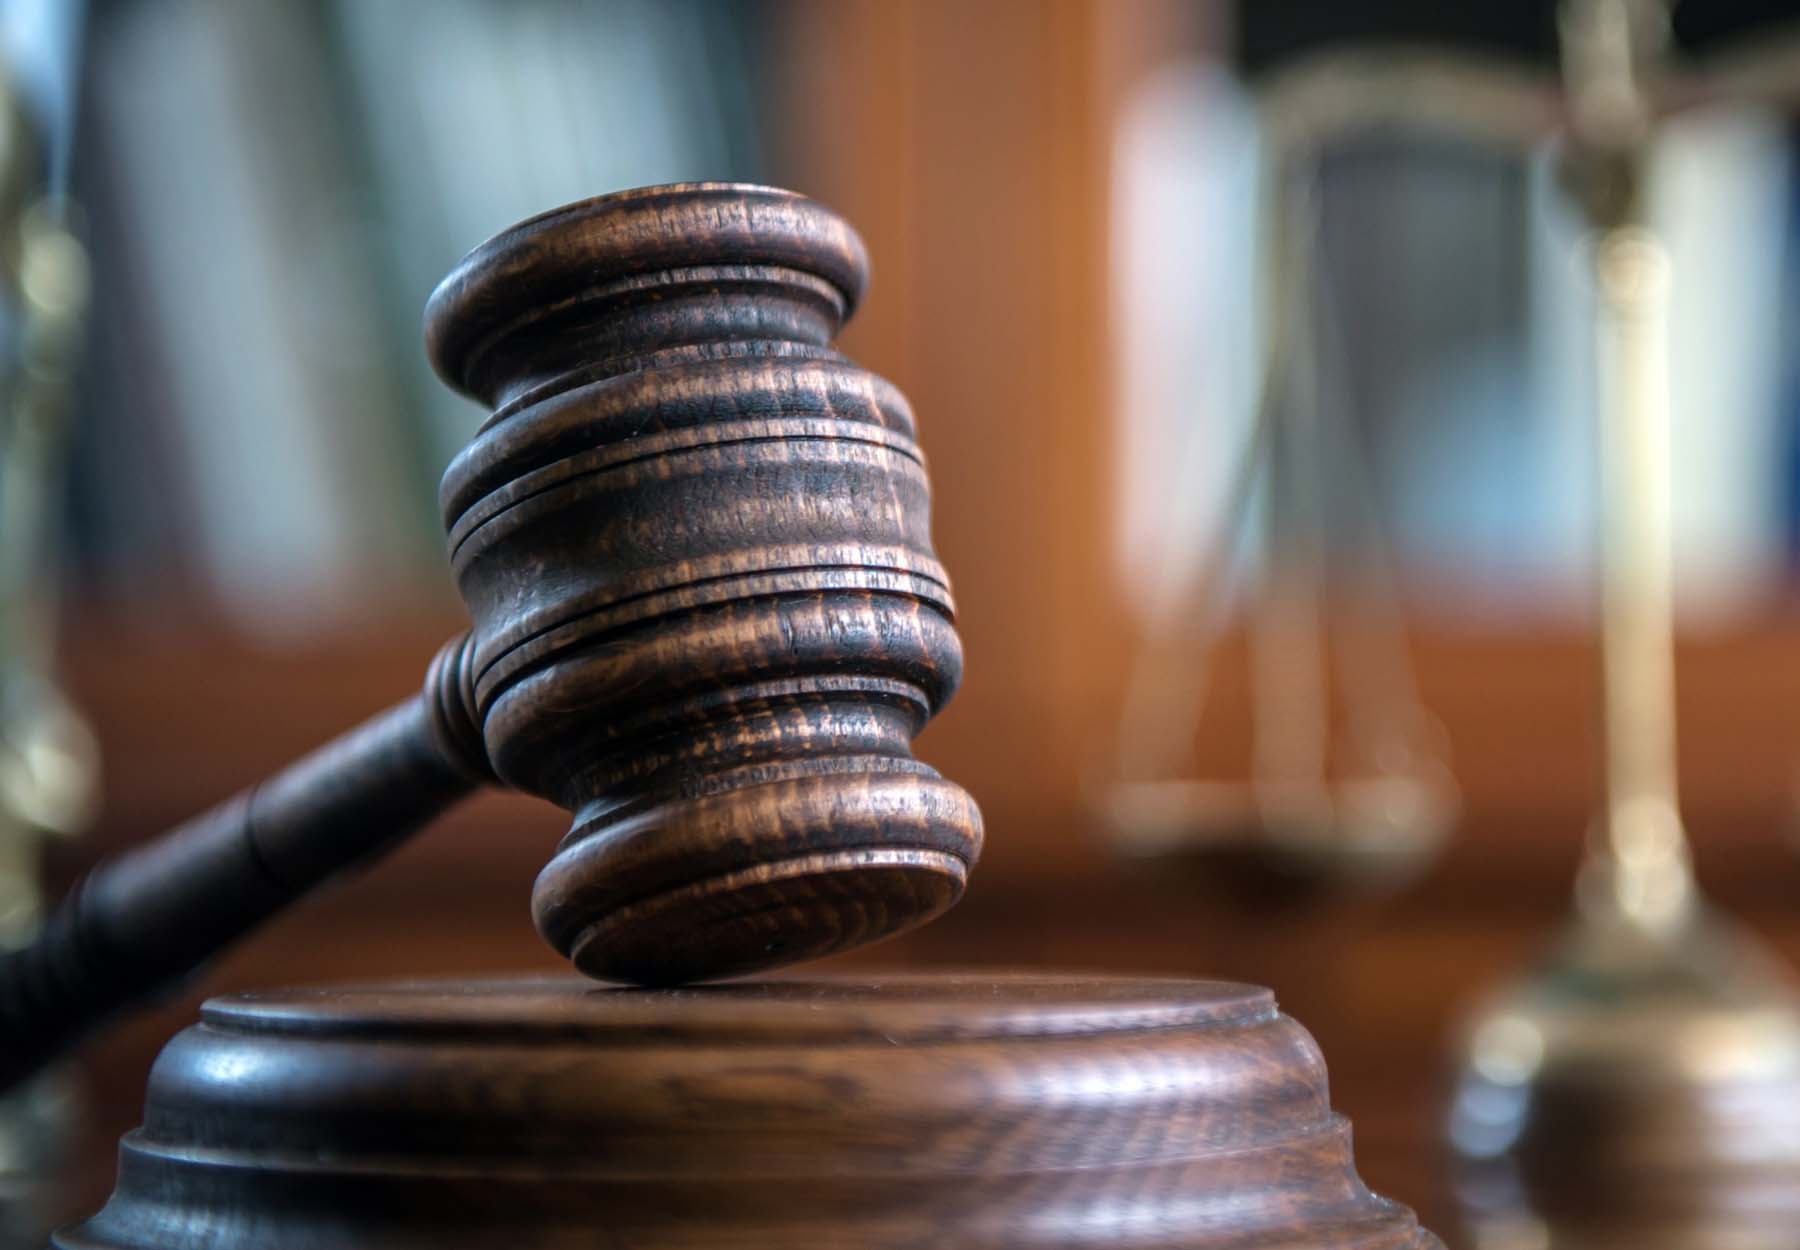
[{"x": 901, "y": 1111}]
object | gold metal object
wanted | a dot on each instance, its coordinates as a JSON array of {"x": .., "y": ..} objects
[
  {"x": 48, "y": 756},
  {"x": 1640, "y": 1087}
]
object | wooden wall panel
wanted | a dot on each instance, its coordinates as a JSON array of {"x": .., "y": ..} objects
[{"x": 970, "y": 145}]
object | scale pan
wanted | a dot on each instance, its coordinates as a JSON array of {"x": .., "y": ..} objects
[{"x": 1265, "y": 843}]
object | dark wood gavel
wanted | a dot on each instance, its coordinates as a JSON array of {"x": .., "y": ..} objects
[{"x": 694, "y": 542}]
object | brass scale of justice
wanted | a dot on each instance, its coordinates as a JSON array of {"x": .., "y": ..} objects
[
  {"x": 693, "y": 540},
  {"x": 1639, "y": 1086}
]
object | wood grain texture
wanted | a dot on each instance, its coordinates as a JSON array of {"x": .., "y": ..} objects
[
  {"x": 959, "y": 1111},
  {"x": 139, "y": 924},
  {"x": 695, "y": 543}
]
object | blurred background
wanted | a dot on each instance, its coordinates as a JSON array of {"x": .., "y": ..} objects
[{"x": 1061, "y": 198}]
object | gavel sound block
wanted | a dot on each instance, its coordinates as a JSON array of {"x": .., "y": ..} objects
[
  {"x": 956, "y": 1113},
  {"x": 707, "y": 620}
]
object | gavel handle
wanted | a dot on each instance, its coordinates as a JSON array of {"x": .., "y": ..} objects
[{"x": 138, "y": 924}]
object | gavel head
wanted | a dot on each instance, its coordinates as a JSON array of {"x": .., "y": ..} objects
[{"x": 694, "y": 542}]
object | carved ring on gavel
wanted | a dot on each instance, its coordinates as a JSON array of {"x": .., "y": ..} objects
[{"x": 694, "y": 542}]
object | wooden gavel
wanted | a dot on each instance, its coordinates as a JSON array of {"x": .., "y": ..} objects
[{"x": 707, "y": 620}]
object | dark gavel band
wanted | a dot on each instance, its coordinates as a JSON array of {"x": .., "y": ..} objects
[{"x": 138, "y": 925}]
